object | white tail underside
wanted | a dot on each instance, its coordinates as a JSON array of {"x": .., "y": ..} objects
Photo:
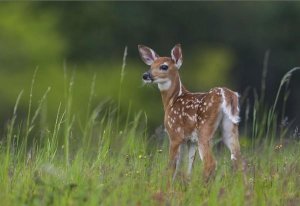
[{"x": 228, "y": 110}]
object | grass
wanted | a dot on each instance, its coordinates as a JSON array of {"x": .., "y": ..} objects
[{"x": 102, "y": 161}]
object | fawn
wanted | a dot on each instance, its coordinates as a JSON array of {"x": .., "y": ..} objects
[{"x": 192, "y": 118}]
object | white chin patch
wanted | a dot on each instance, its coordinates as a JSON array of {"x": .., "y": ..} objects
[
  {"x": 163, "y": 84},
  {"x": 147, "y": 81}
]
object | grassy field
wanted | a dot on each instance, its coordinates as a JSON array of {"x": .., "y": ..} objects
[{"x": 108, "y": 160}]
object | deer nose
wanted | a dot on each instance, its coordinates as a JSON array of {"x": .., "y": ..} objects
[{"x": 147, "y": 76}]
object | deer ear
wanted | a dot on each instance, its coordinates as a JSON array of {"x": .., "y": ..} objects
[
  {"x": 176, "y": 54},
  {"x": 147, "y": 54}
]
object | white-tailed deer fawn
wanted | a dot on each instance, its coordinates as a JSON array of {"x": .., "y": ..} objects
[{"x": 192, "y": 118}]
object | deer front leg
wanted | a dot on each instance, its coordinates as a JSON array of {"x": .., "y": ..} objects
[{"x": 175, "y": 157}]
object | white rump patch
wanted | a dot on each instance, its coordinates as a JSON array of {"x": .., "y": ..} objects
[{"x": 227, "y": 109}]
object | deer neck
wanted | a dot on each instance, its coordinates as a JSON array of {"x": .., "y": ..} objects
[{"x": 170, "y": 90}]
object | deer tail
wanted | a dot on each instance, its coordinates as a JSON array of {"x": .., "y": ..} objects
[{"x": 230, "y": 105}]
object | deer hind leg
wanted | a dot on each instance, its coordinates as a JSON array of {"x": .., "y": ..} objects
[
  {"x": 205, "y": 152},
  {"x": 231, "y": 139},
  {"x": 192, "y": 148}
]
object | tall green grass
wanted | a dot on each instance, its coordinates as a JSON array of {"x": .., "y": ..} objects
[{"x": 104, "y": 159}]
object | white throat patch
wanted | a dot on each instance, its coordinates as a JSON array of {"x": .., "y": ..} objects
[{"x": 163, "y": 86}]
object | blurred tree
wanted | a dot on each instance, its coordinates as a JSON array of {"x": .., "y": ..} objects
[{"x": 28, "y": 37}]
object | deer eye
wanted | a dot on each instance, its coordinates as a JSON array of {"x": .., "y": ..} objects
[{"x": 164, "y": 67}]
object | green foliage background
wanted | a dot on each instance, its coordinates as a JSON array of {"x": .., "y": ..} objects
[{"x": 223, "y": 44}]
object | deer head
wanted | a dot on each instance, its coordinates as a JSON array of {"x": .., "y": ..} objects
[{"x": 163, "y": 70}]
